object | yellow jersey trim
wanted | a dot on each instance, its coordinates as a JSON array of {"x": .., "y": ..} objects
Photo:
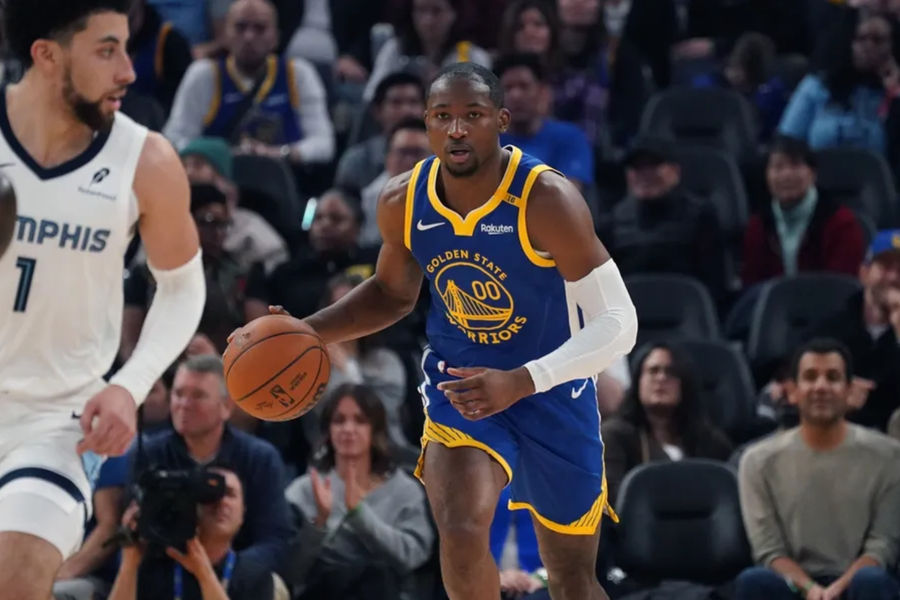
[
  {"x": 466, "y": 226},
  {"x": 217, "y": 96},
  {"x": 159, "y": 56},
  {"x": 268, "y": 82},
  {"x": 408, "y": 209},
  {"x": 293, "y": 92},
  {"x": 527, "y": 248},
  {"x": 462, "y": 51},
  {"x": 454, "y": 438},
  {"x": 586, "y": 525}
]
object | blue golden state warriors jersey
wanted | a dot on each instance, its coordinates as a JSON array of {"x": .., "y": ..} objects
[
  {"x": 495, "y": 301},
  {"x": 272, "y": 118}
]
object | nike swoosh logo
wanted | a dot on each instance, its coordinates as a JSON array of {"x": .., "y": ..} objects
[
  {"x": 577, "y": 393},
  {"x": 423, "y": 227},
  {"x": 8, "y": 164}
]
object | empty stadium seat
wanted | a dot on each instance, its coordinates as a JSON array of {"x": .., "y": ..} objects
[
  {"x": 726, "y": 384},
  {"x": 268, "y": 188},
  {"x": 861, "y": 179},
  {"x": 681, "y": 520},
  {"x": 707, "y": 116},
  {"x": 787, "y": 308},
  {"x": 672, "y": 307}
]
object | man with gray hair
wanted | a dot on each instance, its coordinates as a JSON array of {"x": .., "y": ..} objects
[{"x": 201, "y": 436}]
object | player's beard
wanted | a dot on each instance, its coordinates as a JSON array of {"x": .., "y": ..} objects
[{"x": 89, "y": 113}]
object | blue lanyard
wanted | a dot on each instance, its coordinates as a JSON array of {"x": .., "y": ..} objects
[{"x": 230, "y": 559}]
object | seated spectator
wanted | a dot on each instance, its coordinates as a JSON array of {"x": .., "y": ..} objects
[
  {"x": 427, "y": 39},
  {"x": 662, "y": 417},
  {"x": 202, "y": 22},
  {"x": 90, "y": 571},
  {"x": 364, "y": 361},
  {"x": 601, "y": 87},
  {"x": 819, "y": 539},
  {"x": 407, "y": 144},
  {"x": 532, "y": 27},
  {"x": 398, "y": 97},
  {"x": 798, "y": 229},
  {"x": 660, "y": 227},
  {"x": 363, "y": 523},
  {"x": 209, "y": 569},
  {"x": 298, "y": 285},
  {"x": 869, "y": 324},
  {"x": 848, "y": 104},
  {"x": 527, "y": 96},
  {"x": 159, "y": 53},
  {"x": 748, "y": 71},
  {"x": 262, "y": 104},
  {"x": 200, "y": 408},
  {"x": 250, "y": 239},
  {"x": 234, "y": 294}
]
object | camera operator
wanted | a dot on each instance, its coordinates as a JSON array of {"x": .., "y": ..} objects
[
  {"x": 200, "y": 408},
  {"x": 208, "y": 570}
]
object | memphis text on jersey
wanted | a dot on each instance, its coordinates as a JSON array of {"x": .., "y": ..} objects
[
  {"x": 80, "y": 238},
  {"x": 475, "y": 298}
]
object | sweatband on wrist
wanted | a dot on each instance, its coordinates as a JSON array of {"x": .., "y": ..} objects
[
  {"x": 170, "y": 324},
  {"x": 610, "y": 330}
]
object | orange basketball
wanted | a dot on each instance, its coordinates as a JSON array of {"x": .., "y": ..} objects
[{"x": 276, "y": 368}]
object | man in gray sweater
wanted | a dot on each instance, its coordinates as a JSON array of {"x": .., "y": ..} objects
[{"x": 821, "y": 502}]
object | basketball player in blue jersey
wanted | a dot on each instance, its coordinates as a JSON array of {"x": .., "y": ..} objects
[
  {"x": 526, "y": 308},
  {"x": 85, "y": 178}
]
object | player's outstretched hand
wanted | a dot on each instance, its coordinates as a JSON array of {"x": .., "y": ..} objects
[
  {"x": 108, "y": 422},
  {"x": 484, "y": 392},
  {"x": 273, "y": 310}
]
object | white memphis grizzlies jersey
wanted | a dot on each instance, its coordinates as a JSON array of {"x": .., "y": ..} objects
[{"x": 61, "y": 278}]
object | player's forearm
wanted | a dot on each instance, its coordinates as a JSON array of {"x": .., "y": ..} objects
[{"x": 367, "y": 309}]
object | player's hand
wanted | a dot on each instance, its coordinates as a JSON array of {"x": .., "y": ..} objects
[
  {"x": 323, "y": 496},
  {"x": 196, "y": 561},
  {"x": 273, "y": 310},
  {"x": 484, "y": 392},
  {"x": 108, "y": 422}
]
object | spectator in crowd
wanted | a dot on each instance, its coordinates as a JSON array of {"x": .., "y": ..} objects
[
  {"x": 532, "y": 27},
  {"x": 156, "y": 407},
  {"x": 398, "y": 96},
  {"x": 407, "y": 144},
  {"x": 159, "y": 53},
  {"x": 869, "y": 325},
  {"x": 366, "y": 362},
  {"x": 799, "y": 229},
  {"x": 202, "y": 22},
  {"x": 250, "y": 239},
  {"x": 660, "y": 227},
  {"x": 748, "y": 70},
  {"x": 363, "y": 523},
  {"x": 819, "y": 539},
  {"x": 89, "y": 573},
  {"x": 263, "y": 104},
  {"x": 234, "y": 294},
  {"x": 428, "y": 38},
  {"x": 601, "y": 87},
  {"x": 662, "y": 417},
  {"x": 209, "y": 568},
  {"x": 528, "y": 97},
  {"x": 299, "y": 284},
  {"x": 200, "y": 436},
  {"x": 848, "y": 104}
]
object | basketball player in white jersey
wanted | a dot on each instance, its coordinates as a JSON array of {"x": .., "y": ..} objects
[{"x": 86, "y": 178}]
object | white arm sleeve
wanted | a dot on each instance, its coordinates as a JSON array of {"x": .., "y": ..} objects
[
  {"x": 171, "y": 322},
  {"x": 610, "y": 330}
]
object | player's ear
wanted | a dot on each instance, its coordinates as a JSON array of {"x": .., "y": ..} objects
[
  {"x": 503, "y": 117},
  {"x": 46, "y": 54}
]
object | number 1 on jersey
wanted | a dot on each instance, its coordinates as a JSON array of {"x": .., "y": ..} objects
[{"x": 26, "y": 265}]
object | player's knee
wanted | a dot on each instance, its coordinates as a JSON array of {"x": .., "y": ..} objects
[
  {"x": 461, "y": 529},
  {"x": 572, "y": 581}
]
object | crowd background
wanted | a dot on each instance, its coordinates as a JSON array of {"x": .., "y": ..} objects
[{"x": 740, "y": 159}]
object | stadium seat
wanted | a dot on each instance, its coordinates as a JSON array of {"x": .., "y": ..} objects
[
  {"x": 787, "y": 308},
  {"x": 268, "y": 188},
  {"x": 713, "y": 174},
  {"x": 672, "y": 307},
  {"x": 706, "y": 116},
  {"x": 726, "y": 384},
  {"x": 862, "y": 180},
  {"x": 681, "y": 520}
]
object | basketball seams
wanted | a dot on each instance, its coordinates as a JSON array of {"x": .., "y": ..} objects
[{"x": 270, "y": 336}]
